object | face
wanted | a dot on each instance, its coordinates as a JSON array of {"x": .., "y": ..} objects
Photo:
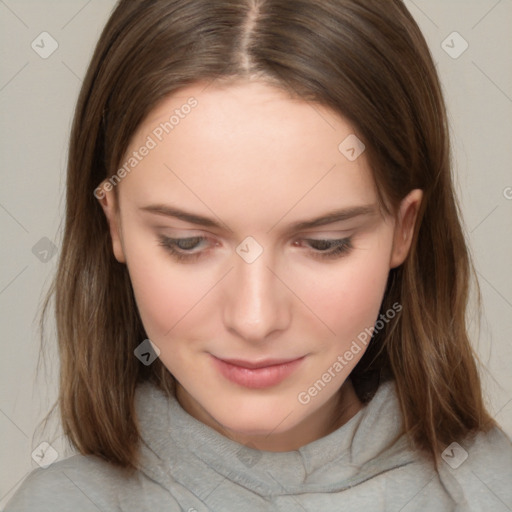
[{"x": 257, "y": 255}]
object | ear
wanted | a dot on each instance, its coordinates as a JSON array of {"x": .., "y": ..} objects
[
  {"x": 404, "y": 227},
  {"x": 108, "y": 202}
]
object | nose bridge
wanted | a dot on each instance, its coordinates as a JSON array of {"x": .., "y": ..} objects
[{"x": 256, "y": 306}]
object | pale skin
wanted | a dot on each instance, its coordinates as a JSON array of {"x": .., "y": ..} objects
[{"x": 255, "y": 162}]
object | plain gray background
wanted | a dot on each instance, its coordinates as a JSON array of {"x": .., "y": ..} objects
[{"x": 37, "y": 98}]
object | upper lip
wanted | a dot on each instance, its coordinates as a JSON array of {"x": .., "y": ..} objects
[{"x": 258, "y": 364}]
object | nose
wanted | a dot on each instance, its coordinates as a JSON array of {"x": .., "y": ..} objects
[{"x": 257, "y": 305}]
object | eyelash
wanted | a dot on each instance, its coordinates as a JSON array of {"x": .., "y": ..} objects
[{"x": 341, "y": 247}]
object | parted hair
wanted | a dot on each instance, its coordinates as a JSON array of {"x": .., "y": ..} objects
[{"x": 368, "y": 61}]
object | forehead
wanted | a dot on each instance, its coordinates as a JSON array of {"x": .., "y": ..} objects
[{"x": 247, "y": 146}]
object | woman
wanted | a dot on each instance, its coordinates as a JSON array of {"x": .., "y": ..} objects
[{"x": 263, "y": 190}]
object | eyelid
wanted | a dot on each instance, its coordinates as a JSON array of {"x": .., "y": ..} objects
[
  {"x": 201, "y": 237},
  {"x": 177, "y": 239},
  {"x": 340, "y": 247},
  {"x": 182, "y": 256}
]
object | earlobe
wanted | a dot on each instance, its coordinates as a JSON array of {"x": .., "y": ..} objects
[
  {"x": 404, "y": 227},
  {"x": 108, "y": 203}
]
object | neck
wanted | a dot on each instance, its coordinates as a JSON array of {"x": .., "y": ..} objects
[{"x": 329, "y": 417}]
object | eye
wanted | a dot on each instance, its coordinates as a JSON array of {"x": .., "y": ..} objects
[
  {"x": 186, "y": 249},
  {"x": 182, "y": 249},
  {"x": 329, "y": 248}
]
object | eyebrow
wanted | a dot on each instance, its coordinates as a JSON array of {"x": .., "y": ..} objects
[{"x": 328, "y": 218}]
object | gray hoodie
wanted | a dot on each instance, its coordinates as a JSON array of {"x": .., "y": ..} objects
[{"x": 367, "y": 464}]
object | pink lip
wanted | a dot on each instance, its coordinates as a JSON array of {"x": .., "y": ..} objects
[{"x": 257, "y": 375}]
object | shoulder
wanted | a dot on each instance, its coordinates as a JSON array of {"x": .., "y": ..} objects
[
  {"x": 78, "y": 480},
  {"x": 85, "y": 483},
  {"x": 481, "y": 466}
]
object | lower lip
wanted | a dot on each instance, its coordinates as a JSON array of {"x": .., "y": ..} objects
[{"x": 257, "y": 378}]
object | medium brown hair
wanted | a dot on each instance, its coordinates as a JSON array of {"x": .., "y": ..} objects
[{"x": 365, "y": 59}]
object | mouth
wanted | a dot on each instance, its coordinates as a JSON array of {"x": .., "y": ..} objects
[{"x": 257, "y": 374}]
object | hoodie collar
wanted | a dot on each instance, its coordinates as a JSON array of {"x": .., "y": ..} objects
[{"x": 178, "y": 448}]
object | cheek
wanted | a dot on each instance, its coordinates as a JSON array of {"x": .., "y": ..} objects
[
  {"x": 163, "y": 292},
  {"x": 345, "y": 295},
  {"x": 348, "y": 296}
]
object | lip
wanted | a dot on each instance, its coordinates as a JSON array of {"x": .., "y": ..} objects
[{"x": 257, "y": 374}]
